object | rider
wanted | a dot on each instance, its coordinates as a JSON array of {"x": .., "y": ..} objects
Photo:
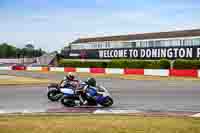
[
  {"x": 91, "y": 82},
  {"x": 69, "y": 80}
]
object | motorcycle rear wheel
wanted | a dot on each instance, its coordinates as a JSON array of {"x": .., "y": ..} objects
[{"x": 67, "y": 102}]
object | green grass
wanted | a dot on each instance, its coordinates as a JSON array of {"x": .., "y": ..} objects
[{"x": 97, "y": 124}]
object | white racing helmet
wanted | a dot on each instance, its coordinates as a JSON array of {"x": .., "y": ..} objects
[{"x": 69, "y": 76}]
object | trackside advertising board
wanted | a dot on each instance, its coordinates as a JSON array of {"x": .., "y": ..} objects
[{"x": 138, "y": 53}]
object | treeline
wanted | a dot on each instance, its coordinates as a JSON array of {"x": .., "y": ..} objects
[
  {"x": 138, "y": 64},
  {"x": 9, "y": 51}
]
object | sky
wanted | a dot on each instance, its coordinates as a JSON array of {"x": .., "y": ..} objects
[{"x": 52, "y": 24}]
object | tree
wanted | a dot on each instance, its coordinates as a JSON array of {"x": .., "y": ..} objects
[
  {"x": 9, "y": 51},
  {"x": 29, "y": 46}
]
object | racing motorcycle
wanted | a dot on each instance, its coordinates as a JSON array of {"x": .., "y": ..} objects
[{"x": 94, "y": 96}]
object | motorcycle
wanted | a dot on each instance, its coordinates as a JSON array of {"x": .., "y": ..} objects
[{"x": 94, "y": 96}]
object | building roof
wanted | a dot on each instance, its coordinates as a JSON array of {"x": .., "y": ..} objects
[{"x": 143, "y": 36}]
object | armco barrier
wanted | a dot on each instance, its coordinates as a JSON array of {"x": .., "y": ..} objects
[
  {"x": 5, "y": 68},
  {"x": 83, "y": 70},
  {"x": 34, "y": 68},
  {"x": 70, "y": 69},
  {"x": 198, "y": 73},
  {"x": 156, "y": 72},
  {"x": 57, "y": 69},
  {"x": 45, "y": 69},
  {"x": 184, "y": 73},
  {"x": 114, "y": 71},
  {"x": 97, "y": 70},
  {"x": 19, "y": 68},
  {"x": 147, "y": 72},
  {"x": 134, "y": 71}
]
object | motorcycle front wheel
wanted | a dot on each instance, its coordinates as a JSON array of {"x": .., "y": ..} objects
[
  {"x": 54, "y": 95},
  {"x": 107, "y": 103}
]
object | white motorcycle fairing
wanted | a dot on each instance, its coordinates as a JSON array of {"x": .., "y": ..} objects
[{"x": 67, "y": 91}]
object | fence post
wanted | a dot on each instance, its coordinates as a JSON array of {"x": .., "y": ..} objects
[{"x": 172, "y": 64}]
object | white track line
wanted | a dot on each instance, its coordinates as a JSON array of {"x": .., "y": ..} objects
[
  {"x": 23, "y": 111},
  {"x": 100, "y": 111},
  {"x": 196, "y": 115},
  {"x": 2, "y": 112}
]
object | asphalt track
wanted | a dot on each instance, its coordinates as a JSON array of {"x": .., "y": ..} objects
[{"x": 152, "y": 96}]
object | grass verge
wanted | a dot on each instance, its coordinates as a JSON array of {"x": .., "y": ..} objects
[
  {"x": 15, "y": 80},
  {"x": 97, "y": 124}
]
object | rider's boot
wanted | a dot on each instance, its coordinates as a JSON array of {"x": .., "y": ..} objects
[{"x": 81, "y": 100}]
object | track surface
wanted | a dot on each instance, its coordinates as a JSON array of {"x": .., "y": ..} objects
[{"x": 128, "y": 94}]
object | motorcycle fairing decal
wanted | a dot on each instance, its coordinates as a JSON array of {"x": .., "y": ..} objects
[
  {"x": 101, "y": 99},
  {"x": 67, "y": 91},
  {"x": 92, "y": 92},
  {"x": 65, "y": 94}
]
